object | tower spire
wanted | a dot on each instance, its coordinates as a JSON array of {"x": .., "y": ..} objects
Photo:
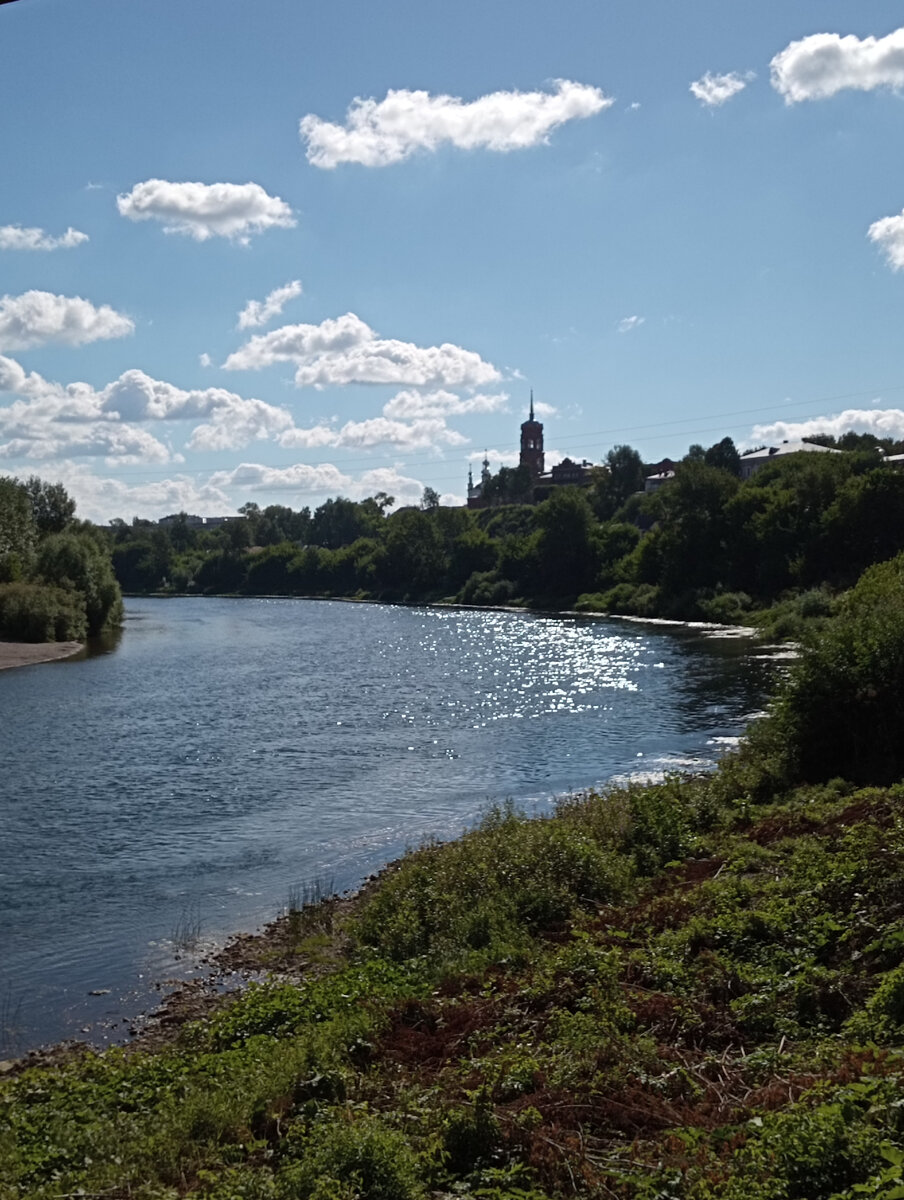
[{"x": 532, "y": 404}]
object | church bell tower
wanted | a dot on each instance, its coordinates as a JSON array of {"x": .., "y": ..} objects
[{"x": 532, "y": 442}]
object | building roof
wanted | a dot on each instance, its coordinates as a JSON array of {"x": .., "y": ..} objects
[{"x": 770, "y": 452}]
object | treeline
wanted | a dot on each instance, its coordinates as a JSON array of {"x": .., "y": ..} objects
[
  {"x": 705, "y": 545},
  {"x": 56, "y": 577}
]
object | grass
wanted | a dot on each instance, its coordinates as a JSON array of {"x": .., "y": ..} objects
[{"x": 660, "y": 991}]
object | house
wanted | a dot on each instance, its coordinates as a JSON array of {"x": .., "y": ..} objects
[{"x": 751, "y": 463}]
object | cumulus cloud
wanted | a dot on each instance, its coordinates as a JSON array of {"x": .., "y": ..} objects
[
  {"x": 50, "y": 419},
  {"x": 300, "y": 477},
  {"x": 713, "y": 90},
  {"x": 100, "y": 498},
  {"x": 205, "y": 360},
  {"x": 626, "y": 324},
  {"x": 259, "y": 312},
  {"x": 202, "y": 210},
  {"x": 424, "y": 434},
  {"x": 322, "y": 479},
  {"x": 822, "y": 64},
  {"x": 882, "y": 422},
  {"x": 345, "y": 350},
  {"x": 411, "y": 420},
  {"x": 888, "y": 233},
  {"x": 411, "y": 405},
  {"x": 34, "y": 318},
  {"x": 378, "y": 133},
  {"x": 18, "y": 237}
]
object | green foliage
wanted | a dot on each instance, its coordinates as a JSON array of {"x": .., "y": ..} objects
[
  {"x": 32, "y": 612},
  {"x": 359, "y": 1156},
  {"x": 52, "y": 507},
  {"x": 842, "y": 710},
  {"x": 18, "y": 532},
  {"x": 76, "y": 562}
]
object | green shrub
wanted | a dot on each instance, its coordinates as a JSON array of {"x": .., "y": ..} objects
[
  {"x": 360, "y": 1158},
  {"x": 76, "y": 562},
  {"x": 33, "y": 612},
  {"x": 841, "y": 712}
]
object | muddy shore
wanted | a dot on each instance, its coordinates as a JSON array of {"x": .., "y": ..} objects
[{"x": 25, "y": 654}]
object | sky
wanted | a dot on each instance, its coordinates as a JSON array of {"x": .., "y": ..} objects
[{"x": 278, "y": 252}]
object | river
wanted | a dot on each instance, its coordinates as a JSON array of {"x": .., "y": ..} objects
[{"x": 222, "y": 753}]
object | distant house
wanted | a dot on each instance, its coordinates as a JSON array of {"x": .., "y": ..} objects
[
  {"x": 191, "y": 521},
  {"x": 751, "y": 463},
  {"x": 663, "y": 473},
  {"x": 213, "y": 522}
]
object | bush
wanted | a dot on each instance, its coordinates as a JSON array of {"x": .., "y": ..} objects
[
  {"x": 487, "y": 587},
  {"x": 75, "y": 562},
  {"x": 841, "y": 711},
  {"x": 32, "y": 612},
  {"x": 360, "y": 1158}
]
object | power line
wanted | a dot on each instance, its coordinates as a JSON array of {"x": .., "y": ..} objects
[{"x": 583, "y": 441}]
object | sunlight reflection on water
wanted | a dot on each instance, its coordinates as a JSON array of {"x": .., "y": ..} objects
[{"x": 228, "y": 749}]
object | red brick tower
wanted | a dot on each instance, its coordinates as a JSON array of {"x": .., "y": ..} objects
[{"x": 532, "y": 442}]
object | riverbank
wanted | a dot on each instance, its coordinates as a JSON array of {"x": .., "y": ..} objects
[
  {"x": 649, "y": 985},
  {"x": 26, "y": 654}
]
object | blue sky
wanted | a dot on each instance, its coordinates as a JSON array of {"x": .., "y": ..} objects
[{"x": 279, "y": 252}]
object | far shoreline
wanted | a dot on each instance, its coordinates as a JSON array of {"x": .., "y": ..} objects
[{"x": 26, "y": 654}]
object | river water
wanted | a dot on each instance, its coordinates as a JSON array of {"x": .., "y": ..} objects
[{"x": 225, "y": 753}]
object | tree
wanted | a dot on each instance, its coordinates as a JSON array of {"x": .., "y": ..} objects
[
  {"x": 841, "y": 712},
  {"x": 76, "y": 562},
  {"x": 51, "y": 505},
  {"x": 17, "y": 529},
  {"x": 725, "y": 456},
  {"x": 429, "y": 499},
  {"x": 625, "y": 473},
  {"x": 566, "y": 558}
]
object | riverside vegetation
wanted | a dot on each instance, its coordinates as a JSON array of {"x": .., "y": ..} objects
[
  {"x": 774, "y": 550},
  {"x": 674, "y": 991},
  {"x": 56, "y": 578}
]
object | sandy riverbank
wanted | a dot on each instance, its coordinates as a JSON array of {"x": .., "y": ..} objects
[{"x": 23, "y": 654}]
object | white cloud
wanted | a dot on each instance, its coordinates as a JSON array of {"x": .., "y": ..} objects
[
  {"x": 822, "y": 64},
  {"x": 298, "y": 478},
  {"x": 888, "y": 233},
  {"x": 411, "y": 420},
  {"x": 202, "y": 210},
  {"x": 100, "y": 498},
  {"x": 714, "y": 90},
  {"x": 626, "y": 324},
  {"x": 50, "y": 419},
  {"x": 258, "y": 312},
  {"x": 205, "y": 360},
  {"x": 324, "y": 479},
  {"x": 378, "y": 133},
  {"x": 345, "y": 350},
  {"x": 410, "y": 405},
  {"x": 17, "y": 237},
  {"x": 882, "y": 422},
  {"x": 38, "y": 317},
  {"x": 424, "y": 434},
  {"x": 545, "y": 410}
]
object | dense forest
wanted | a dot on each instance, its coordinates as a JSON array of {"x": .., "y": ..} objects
[
  {"x": 775, "y": 549},
  {"x": 56, "y": 578}
]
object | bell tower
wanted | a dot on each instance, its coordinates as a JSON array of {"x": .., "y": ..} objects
[{"x": 532, "y": 442}]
